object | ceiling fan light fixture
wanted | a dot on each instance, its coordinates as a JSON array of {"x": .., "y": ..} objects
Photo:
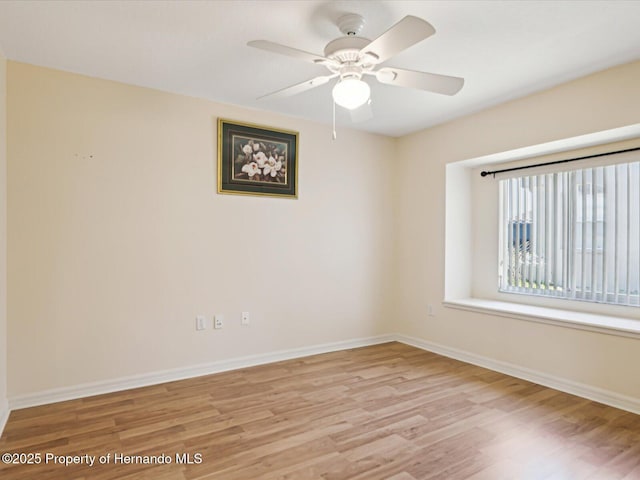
[{"x": 351, "y": 93}]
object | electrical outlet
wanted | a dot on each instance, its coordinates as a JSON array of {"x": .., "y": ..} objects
[
  {"x": 245, "y": 318},
  {"x": 201, "y": 322},
  {"x": 217, "y": 321}
]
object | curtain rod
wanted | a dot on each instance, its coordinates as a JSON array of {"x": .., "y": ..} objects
[{"x": 484, "y": 173}]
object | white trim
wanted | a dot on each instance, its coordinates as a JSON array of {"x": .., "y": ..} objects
[
  {"x": 154, "y": 378},
  {"x": 606, "y": 397},
  {"x": 628, "y": 132},
  {"x": 4, "y": 415},
  {"x": 610, "y": 325}
]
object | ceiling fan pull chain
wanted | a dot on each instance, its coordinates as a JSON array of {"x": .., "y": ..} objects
[{"x": 334, "y": 121}]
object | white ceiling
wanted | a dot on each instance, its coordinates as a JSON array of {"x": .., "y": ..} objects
[{"x": 503, "y": 49}]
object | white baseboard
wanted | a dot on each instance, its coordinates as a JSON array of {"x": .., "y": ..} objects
[
  {"x": 154, "y": 378},
  {"x": 96, "y": 388},
  {"x": 606, "y": 397},
  {"x": 4, "y": 414}
]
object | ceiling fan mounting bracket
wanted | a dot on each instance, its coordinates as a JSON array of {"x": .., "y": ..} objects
[{"x": 350, "y": 24}]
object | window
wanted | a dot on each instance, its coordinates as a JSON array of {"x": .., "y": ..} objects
[{"x": 572, "y": 234}]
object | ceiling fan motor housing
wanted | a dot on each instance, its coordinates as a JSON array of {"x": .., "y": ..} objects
[
  {"x": 346, "y": 49},
  {"x": 347, "y": 56}
]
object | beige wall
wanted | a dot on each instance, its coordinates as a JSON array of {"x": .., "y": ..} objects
[
  {"x": 3, "y": 238},
  {"x": 117, "y": 238},
  {"x": 603, "y": 101}
]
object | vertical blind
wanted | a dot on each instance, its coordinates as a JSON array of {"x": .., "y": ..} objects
[{"x": 573, "y": 234}]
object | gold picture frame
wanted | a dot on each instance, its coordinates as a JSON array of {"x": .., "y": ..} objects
[{"x": 257, "y": 160}]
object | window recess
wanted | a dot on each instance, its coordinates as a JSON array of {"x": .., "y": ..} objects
[{"x": 572, "y": 234}]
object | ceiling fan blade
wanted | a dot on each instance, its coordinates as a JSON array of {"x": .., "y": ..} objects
[
  {"x": 362, "y": 113},
  {"x": 407, "y": 32},
  {"x": 300, "y": 87},
  {"x": 289, "y": 51},
  {"x": 432, "y": 82}
]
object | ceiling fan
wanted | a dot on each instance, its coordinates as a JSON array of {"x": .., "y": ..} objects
[{"x": 352, "y": 57}]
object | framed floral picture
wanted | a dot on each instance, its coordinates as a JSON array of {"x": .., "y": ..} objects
[{"x": 257, "y": 160}]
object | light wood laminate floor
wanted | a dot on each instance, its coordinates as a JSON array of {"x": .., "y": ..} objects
[{"x": 389, "y": 412}]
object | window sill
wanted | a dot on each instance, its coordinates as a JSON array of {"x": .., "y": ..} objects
[{"x": 610, "y": 325}]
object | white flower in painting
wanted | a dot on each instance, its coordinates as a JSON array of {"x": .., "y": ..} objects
[
  {"x": 247, "y": 149},
  {"x": 251, "y": 169},
  {"x": 272, "y": 167},
  {"x": 256, "y": 147},
  {"x": 260, "y": 158}
]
